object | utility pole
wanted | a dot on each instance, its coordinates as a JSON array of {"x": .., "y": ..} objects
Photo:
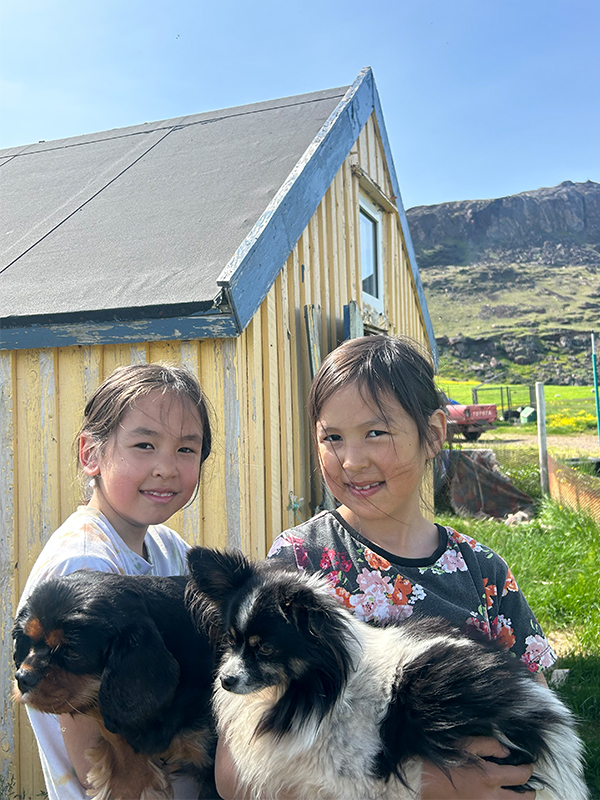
[
  {"x": 542, "y": 443},
  {"x": 595, "y": 371}
]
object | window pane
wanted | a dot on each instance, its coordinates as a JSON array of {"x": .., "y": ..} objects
[{"x": 368, "y": 254}]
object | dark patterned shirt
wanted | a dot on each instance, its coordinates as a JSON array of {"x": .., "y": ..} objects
[{"x": 462, "y": 581}]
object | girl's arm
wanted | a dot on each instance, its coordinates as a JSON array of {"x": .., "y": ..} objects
[{"x": 79, "y": 734}]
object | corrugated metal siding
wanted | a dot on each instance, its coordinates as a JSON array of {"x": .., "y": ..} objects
[{"x": 257, "y": 385}]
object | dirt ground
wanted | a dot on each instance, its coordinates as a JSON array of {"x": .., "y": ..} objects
[{"x": 569, "y": 445}]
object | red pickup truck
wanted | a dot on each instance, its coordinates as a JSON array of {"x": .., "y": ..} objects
[{"x": 471, "y": 420}]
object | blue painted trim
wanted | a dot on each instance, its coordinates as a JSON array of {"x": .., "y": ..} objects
[
  {"x": 210, "y": 326},
  {"x": 251, "y": 272},
  {"x": 412, "y": 258}
]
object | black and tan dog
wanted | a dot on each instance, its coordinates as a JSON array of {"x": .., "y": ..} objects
[{"x": 122, "y": 650}]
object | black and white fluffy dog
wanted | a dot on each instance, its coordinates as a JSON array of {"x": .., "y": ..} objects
[{"x": 317, "y": 703}]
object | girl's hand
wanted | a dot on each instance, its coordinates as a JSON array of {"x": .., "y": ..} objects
[{"x": 484, "y": 780}]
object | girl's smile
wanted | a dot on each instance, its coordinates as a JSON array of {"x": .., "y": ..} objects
[{"x": 150, "y": 466}]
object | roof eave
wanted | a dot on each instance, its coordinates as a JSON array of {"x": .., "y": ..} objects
[{"x": 215, "y": 325}]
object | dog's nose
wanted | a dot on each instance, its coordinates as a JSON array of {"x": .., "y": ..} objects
[
  {"x": 27, "y": 680},
  {"x": 229, "y": 682}
]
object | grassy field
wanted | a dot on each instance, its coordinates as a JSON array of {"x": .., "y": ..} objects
[
  {"x": 556, "y": 560},
  {"x": 569, "y": 409}
]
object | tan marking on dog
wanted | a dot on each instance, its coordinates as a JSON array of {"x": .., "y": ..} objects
[
  {"x": 119, "y": 772},
  {"x": 61, "y": 692},
  {"x": 192, "y": 747},
  {"x": 254, "y": 641},
  {"x": 55, "y": 639},
  {"x": 34, "y": 629}
]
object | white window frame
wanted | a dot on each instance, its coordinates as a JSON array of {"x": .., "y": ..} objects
[{"x": 376, "y": 214}]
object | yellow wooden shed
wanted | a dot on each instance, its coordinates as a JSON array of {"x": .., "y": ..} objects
[{"x": 235, "y": 242}]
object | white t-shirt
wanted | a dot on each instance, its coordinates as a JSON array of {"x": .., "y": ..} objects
[{"x": 87, "y": 540}]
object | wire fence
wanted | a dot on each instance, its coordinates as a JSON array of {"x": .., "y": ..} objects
[
  {"x": 574, "y": 482},
  {"x": 574, "y": 489}
]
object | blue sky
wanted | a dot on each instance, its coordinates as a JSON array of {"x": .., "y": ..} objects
[{"x": 482, "y": 98}]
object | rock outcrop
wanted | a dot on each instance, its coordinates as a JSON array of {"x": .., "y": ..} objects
[{"x": 559, "y": 225}]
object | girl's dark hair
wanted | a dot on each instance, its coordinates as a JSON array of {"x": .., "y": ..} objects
[
  {"x": 119, "y": 392},
  {"x": 380, "y": 365}
]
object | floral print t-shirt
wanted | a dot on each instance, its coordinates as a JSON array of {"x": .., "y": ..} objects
[{"x": 462, "y": 581}]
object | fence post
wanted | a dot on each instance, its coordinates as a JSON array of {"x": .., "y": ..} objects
[
  {"x": 595, "y": 373},
  {"x": 542, "y": 443}
]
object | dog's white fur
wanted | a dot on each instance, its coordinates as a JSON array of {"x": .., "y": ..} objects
[
  {"x": 318, "y": 705},
  {"x": 323, "y": 761},
  {"x": 332, "y": 759}
]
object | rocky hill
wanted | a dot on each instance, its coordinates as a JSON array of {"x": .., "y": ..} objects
[{"x": 513, "y": 284}]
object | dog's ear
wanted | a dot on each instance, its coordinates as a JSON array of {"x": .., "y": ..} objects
[
  {"x": 216, "y": 573},
  {"x": 307, "y": 609},
  {"x": 139, "y": 679}
]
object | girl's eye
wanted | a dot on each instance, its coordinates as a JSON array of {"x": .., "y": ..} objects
[
  {"x": 332, "y": 437},
  {"x": 186, "y": 450},
  {"x": 144, "y": 446},
  {"x": 265, "y": 649},
  {"x": 375, "y": 434}
]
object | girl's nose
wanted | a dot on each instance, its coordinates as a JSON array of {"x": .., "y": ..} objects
[
  {"x": 165, "y": 466},
  {"x": 354, "y": 458}
]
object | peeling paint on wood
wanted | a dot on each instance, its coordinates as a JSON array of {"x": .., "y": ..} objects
[
  {"x": 7, "y": 560},
  {"x": 211, "y": 326}
]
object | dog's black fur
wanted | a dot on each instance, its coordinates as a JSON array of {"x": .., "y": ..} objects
[
  {"x": 123, "y": 650},
  {"x": 301, "y": 673}
]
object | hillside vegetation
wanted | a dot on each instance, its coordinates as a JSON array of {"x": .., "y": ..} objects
[{"x": 513, "y": 285}]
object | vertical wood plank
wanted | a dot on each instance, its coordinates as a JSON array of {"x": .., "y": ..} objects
[
  {"x": 232, "y": 431},
  {"x": 165, "y": 352},
  {"x": 191, "y": 515},
  {"x": 36, "y": 468},
  {"x": 115, "y": 355},
  {"x": 256, "y": 520},
  {"x": 10, "y": 741},
  {"x": 272, "y": 423},
  {"x": 213, "y": 499},
  {"x": 286, "y": 383},
  {"x": 71, "y": 403}
]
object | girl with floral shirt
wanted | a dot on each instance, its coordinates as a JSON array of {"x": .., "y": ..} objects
[{"x": 377, "y": 420}]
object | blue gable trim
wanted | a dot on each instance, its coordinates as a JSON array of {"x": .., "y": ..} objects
[
  {"x": 251, "y": 272},
  {"x": 257, "y": 262},
  {"x": 412, "y": 258},
  {"x": 211, "y": 326}
]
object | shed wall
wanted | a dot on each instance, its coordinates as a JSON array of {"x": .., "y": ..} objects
[{"x": 258, "y": 383}]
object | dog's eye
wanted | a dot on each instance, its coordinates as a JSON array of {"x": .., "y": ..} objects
[
  {"x": 265, "y": 649},
  {"x": 229, "y": 640},
  {"x": 72, "y": 655}
]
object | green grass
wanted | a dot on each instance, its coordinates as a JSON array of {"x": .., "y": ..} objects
[
  {"x": 8, "y": 791},
  {"x": 569, "y": 409},
  {"x": 556, "y": 560}
]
